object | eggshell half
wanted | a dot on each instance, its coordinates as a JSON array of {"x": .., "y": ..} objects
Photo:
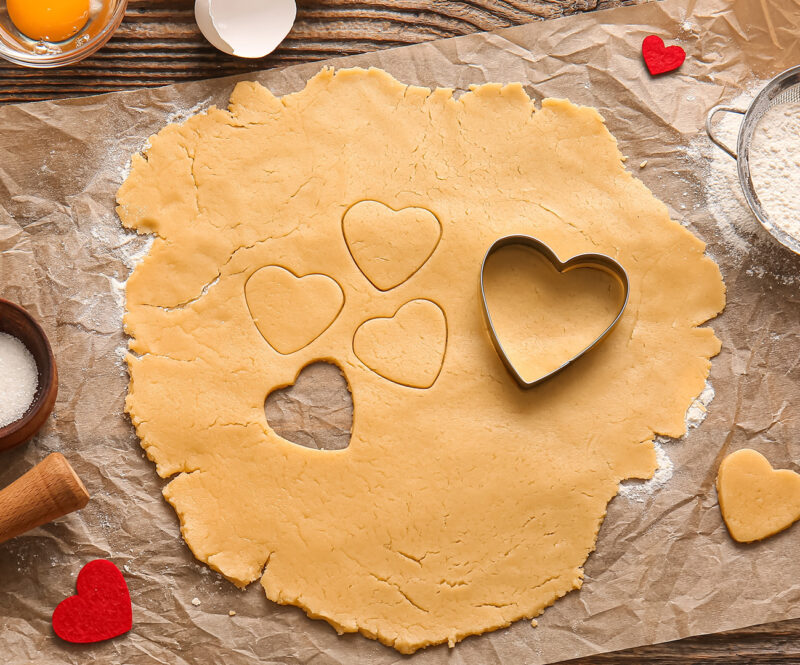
[
  {"x": 202, "y": 14},
  {"x": 245, "y": 28}
]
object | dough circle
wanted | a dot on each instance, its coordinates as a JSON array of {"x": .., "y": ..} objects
[{"x": 457, "y": 508}]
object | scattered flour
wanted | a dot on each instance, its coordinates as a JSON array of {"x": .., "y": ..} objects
[
  {"x": 19, "y": 379},
  {"x": 739, "y": 230},
  {"x": 109, "y": 244},
  {"x": 637, "y": 490},
  {"x": 736, "y": 224},
  {"x": 775, "y": 166},
  {"x": 698, "y": 411},
  {"x": 744, "y": 241},
  {"x": 127, "y": 245},
  {"x": 179, "y": 116}
]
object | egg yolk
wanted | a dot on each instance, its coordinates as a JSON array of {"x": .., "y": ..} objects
[{"x": 48, "y": 20}]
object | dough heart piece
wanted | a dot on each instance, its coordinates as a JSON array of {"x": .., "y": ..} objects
[
  {"x": 407, "y": 348},
  {"x": 756, "y": 500},
  {"x": 390, "y": 245},
  {"x": 289, "y": 311},
  {"x": 101, "y": 609},
  {"x": 661, "y": 59},
  {"x": 544, "y": 318}
]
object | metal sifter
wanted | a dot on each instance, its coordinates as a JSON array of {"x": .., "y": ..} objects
[{"x": 783, "y": 89}]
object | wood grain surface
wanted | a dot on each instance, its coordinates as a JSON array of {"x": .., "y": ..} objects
[{"x": 158, "y": 43}]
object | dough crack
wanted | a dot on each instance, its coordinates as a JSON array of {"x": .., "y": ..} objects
[
  {"x": 416, "y": 559},
  {"x": 190, "y": 301},
  {"x": 193, "y": 176},
  {"x": 402, "y": 593}
]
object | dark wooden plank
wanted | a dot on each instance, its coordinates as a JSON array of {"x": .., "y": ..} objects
[
  {"x": 158, "y": 43},
  {"x": 769, "y": 644}
]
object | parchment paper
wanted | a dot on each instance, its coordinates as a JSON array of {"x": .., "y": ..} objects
[{"x": 664, "y": 568}]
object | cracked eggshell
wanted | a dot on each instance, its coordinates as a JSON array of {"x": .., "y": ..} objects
[{"x": 245, "y": 28}]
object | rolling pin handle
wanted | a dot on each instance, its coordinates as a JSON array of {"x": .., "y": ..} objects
[{"x": 48, "y": 491}]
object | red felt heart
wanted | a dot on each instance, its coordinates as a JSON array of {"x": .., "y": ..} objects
[
  {"x": 100, "y": 610},
  {"x": 659, "y": 58}
]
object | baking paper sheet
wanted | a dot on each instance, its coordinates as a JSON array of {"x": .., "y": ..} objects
[{"x": 664, "y": 568}]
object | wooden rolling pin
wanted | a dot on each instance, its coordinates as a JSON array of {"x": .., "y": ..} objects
[{"x": 48, "y": 491}]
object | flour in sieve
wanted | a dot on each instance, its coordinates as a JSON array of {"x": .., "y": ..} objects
[{"x": 775, "y": 166}]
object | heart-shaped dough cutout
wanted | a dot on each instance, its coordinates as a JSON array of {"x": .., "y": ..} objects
[
  {"x": 546, "y": 315},
  {"x": 389, "y": 245},
  {"x": 100, "y": 610},
  {"x": 407, "y": 348},
  {"x": 289, "y": 311},
  {"x": 756, "y": 500}
]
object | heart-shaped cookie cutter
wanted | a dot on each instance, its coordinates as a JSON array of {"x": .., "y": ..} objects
[{"x": 596, "y": 261}]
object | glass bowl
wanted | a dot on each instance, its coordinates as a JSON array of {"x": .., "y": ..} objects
[{"x": 104, "y": 18}]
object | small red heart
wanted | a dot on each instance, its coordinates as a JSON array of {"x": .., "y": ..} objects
[
  {"x": 659, "y": 58},
  {"x": 100, "y": 610}
]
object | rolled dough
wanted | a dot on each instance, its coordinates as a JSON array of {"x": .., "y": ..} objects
[{"x": 457, "y": 508}]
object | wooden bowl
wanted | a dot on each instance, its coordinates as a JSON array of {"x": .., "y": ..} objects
[{"x": 15, "y": 321}]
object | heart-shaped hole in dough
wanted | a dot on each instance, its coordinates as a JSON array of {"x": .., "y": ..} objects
[
  {"x": 316, "y": 411},
  {"x": 543, "y": 318}
]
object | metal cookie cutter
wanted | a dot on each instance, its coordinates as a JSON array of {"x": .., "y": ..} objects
[
  {"x": 783, "y": 89},
  {"x": 596, "y": 261}
]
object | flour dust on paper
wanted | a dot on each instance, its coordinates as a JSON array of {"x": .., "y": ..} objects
[
  {"x": 462, "y": 503},
  {"x": 642, "y": 490},
  {"x": 774, "y": 168}
]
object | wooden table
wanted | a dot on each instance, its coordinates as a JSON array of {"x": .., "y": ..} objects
[{"x": 158, "y": 43}]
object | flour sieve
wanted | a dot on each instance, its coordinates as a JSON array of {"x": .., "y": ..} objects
[{"x": 783, "y": 89}]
